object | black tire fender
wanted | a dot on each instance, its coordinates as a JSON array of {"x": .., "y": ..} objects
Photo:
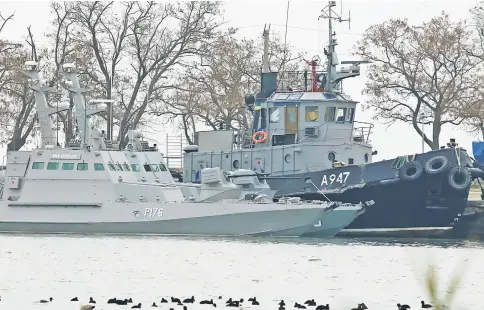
[
  {"x": 437, "y": 165},
  {"x": 459, "y": 178},
  {"x": 410, "y": 171}
]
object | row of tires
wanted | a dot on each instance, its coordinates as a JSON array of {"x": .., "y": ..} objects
[{"x": 458, "y": 178}]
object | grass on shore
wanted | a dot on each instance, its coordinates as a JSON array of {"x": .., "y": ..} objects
[{"x": 431, "y": 285}]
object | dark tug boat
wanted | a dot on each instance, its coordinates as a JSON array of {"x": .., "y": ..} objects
[
  {"x": 426, "y": 196},
  {"x": 305, "y": 136}
]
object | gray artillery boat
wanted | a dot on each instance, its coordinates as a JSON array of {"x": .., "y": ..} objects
[{"x": 92, "y": 187}]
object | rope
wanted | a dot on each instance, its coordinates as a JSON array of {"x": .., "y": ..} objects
[
  {"x": 457, "y": 156},
  {"x": 399, "y": 161}
]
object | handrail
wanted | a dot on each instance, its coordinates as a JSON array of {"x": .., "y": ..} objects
[{"x": 363, "y": 131}]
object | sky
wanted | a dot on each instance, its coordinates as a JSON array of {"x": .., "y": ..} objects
[{"x": 309, "y": 35}]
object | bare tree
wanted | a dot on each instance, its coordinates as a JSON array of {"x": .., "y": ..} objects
[
  {"x": 473, "y": 112},
  {"x": 420, "y": 73},
  {"x": 17, "y": 115},
  {"x": 17, "y": 101},
  {"x": 136, "y": 45},
  {"x": 212, "y": 90}
]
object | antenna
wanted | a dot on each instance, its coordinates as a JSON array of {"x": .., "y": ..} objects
[
  {"x": 265, "y": 57},
  {"x": 57, "y": 117},
  {"x": 328, "y": 13}
]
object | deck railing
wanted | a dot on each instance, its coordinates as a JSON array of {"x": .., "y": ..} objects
[{"x": 328, "y": 131}]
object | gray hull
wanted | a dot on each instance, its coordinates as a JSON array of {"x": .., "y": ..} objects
[
  {"x": 211, "y": 219},
  {"x": 334, "y": 221}
]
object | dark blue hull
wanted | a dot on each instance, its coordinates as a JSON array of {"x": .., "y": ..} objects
[{"x": 426, "y": 200}]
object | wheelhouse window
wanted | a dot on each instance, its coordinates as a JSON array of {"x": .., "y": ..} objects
[
  {"x": 82, "y": 166},
  {"x": 53, "y": 165},
  {"x": 295, "y": 96},
  {"x": 67, "y": 166},
  {"x": 163, "y": 167},
  {"x": 126, "y": 167},
  {"x": 274, "y": 115},
  {"x": 135, "y": 167},
  {"x": 329, "y": 114},
  {"x": 340, "y": 114},
  {"x": 111, "y": 167},
  {"x": 282, "y": 96},
  {"x": 147, "y": 167},
  {"x": 329, "y": 96},
  {"x": 350, "y": 116},
  {"x": 119, "y": 167},
  {"x": 38, "y": 165},
  {"x": 155, "y": 168},
  {"x": 312, "y": 113},
  {"x": 98, "y": 167}
]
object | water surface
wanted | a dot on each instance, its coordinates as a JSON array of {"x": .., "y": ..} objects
[{"x": 341, "y": 272}]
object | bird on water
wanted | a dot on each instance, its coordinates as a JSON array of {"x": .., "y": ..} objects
[
  {"x": 425, "y": 306},
  {"x": 43, "y": 301}
]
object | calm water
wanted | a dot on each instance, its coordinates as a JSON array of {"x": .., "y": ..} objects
[{"x": 339, "y": 272}]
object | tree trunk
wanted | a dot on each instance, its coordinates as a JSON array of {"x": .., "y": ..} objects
[{"x": 16, "y": 143}]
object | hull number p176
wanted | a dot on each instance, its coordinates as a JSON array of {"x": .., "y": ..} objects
[
  {"x": 335, "y": 178},
  {"x": 150, "y": 213},
  {"x": 153, "y": 212}
]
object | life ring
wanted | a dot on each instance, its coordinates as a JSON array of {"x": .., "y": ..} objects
[
  {"x": 410, "y": 171},
  {"x": 260, "y": 136},
  {"x": 437, "y": 165},
  {"x": 459, "y": 178}
]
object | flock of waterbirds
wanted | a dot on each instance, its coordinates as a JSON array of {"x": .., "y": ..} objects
[{"x": 228, "y": 303}]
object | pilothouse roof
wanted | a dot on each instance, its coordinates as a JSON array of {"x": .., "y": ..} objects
[{"x": 286, "y": 97}]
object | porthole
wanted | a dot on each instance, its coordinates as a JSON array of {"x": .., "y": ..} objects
[
  {"x": 331, "y": 156},
  {"x": 235, "y": 164},
  {"x": 287, "y": 158},
  {"x": 367, "y": 157}
]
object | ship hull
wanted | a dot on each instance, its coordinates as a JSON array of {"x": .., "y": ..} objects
[
  {"x": 427, "y": 201},
  {"x": 333, "y": 222},
  {"x": 176, "y": 219}
]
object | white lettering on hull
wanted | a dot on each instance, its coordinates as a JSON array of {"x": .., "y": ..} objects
[
  {"x": 153, "y": 212},
  {"x": 66, "y": 156},
  {"x": 335, "y": 178}
]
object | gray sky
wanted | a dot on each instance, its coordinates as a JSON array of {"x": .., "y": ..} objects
[{"x": 307, "y": 35}]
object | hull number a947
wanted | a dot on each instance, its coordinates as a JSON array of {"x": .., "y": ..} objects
[{"x": 339, "y": 178}]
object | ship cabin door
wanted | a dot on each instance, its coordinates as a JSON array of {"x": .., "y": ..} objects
[{"x": 291, "y": 118}]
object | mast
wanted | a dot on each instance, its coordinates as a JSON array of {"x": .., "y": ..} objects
[
  {"x": 47, "y": 134},
  {"x": 82, "y": 113},
  {"x": 265, "y": 57},
  {"x": 331, "y": 56}
]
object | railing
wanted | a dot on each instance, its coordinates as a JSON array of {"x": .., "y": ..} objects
[
  {"x": 174, "y": 151},
  {"x": 354, "y": 134},
  {"x": 364, "y": 131},
  {"x": 298, "y": 80}
]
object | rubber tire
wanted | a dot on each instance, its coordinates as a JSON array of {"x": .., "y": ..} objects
[
  {"x": 432, "y": 171},
  {"x": 459, "y": 186},
  {"x": 402, "y": 172}
]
